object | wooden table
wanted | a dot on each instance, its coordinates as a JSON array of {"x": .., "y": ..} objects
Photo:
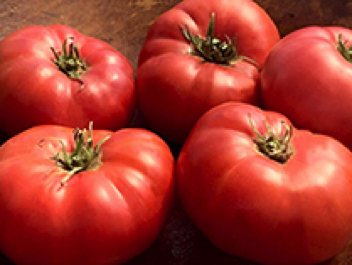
[{"x": 124, "y": 24}]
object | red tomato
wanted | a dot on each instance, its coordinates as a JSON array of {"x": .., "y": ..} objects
[
  {"x": 39, "y": 85},
  {"x": 307, "y": 78},
  {"x": 105, "y": 213},
  {"x": 189, "y": 64},
  {"x": 266, "y": 191}
]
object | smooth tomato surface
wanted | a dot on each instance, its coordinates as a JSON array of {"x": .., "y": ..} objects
[
  {"x": 307, "y": 79},
  {"x": 103, "y": 216},
  {"x": 252, "y": 206},
  {"x": 34, "y": 91},
  {"x": 175, "y": 87}
]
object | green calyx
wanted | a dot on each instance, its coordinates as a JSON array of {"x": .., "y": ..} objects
[
  {"x": 274, "y": 146},
  {"x": 212, "y": 49},
  {"x": 69, "y": 62},
  {"x": 344, "y": 49},
  {"x": 85, "y": 155}
]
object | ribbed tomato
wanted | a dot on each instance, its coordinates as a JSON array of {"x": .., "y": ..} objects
[
  {"x": 65, "y": 200},
  {"x": 260, "y": 189},
  {"x": 197, "y": 55},
  {"x": 56, "y": 75}
]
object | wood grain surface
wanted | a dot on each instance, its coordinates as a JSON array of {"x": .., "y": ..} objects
[{"x": 124, "y": 25}]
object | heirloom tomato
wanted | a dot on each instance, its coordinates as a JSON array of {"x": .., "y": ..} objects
[
  {"x": 260, "y": 189},
  {"x": 66, "y": 201},
  {"x": 56, "y": 75},
  {"x": 307, "y": 77},
  {"x": 197, "y": 55}
]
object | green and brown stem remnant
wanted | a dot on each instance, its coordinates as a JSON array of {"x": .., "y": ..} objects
[
  {"x": 85, "y": 156},
  {"x": 272, "y": 144},
  {"x": 344, "y": 48},
  {"x": 69, "y": 62},
  {"x": 212, "y": 49}
]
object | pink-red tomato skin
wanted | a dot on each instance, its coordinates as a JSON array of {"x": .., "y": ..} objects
[
  {"x": 174, "y": 87},
  {"x": 34, "y": 91},
  {"x": 106, "y": 215},
  {"x": 251, "y": 206},
  {"x": 307, "y": 79}
]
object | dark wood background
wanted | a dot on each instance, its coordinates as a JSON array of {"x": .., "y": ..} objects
[{"x": 124, "y": 24}]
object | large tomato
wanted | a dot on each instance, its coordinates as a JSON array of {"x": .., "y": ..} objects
[
  {"x": 94, "y": 205},
  {"x": 56, "y": 75},
  {"x": 260, "y": 189},
  {"x": 197, "y": 55},
  {"x": 308, "y": 77}
]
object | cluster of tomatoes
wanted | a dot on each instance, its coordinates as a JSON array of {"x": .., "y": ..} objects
[{"x": 262, "y": 123}]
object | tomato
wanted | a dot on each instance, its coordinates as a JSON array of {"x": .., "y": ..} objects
[
  {"x": 260, "y": 189},
  {"x": 94, "y": 205},
  {"x": 307, "y": 77},
  {"x": 200, "y": 54},
  {"x": 56, "y": 75}
]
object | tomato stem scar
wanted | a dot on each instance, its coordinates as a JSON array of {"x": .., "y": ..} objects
[
  {"x": 85, "y": 156},
  {"x": 69, "y": 61},
  {"x": 345, "y": 51},
  {"x": 273, "y": 145},
  {"x": 212, "y": 49}
]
